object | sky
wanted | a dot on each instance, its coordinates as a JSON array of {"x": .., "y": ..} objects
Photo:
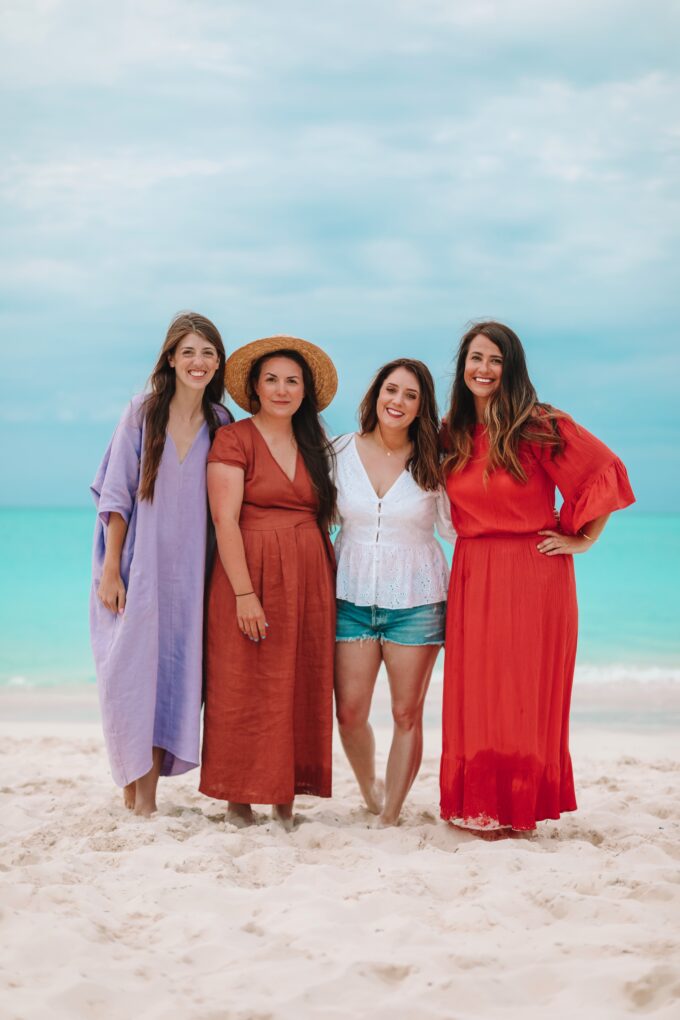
[{"x": 370, "y": 175}]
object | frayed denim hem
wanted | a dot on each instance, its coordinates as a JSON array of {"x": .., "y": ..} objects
[
  {"x": 439, "y": 643},
  {"x": 414, "y": 644},
  {"x": 362, "y": 637}
]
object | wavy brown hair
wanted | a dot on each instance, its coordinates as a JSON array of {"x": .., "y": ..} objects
[
  {"x": 423, "y": 430},
  {"x": 513, "y": 414},
  {"x": 156, "y": 407},
  {"x": 310, "y": 435}
]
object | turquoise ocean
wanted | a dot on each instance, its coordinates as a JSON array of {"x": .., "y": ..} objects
[{"x": 629, "y": 598}]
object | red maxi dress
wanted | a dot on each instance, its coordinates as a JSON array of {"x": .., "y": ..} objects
[
  {"x": 269, "y": 705},
  {"x": 511, "y": 630}
]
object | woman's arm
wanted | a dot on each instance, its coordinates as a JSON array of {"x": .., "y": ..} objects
[
  {"x": 111, "y": 589},
  {"x": 556, "y": 543},
  {"x": 443, "y": 521},
  {"x": 225, "y": 493}
]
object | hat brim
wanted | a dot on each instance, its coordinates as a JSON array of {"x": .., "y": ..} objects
[{"x": 239, "y": 364}]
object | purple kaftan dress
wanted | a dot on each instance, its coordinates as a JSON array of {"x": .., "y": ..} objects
[{"x": 149, "y": 659}]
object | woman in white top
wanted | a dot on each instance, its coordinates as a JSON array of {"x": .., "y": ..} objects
[{"x": 392, "y": 575}]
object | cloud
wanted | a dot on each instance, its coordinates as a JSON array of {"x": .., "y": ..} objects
[
  {"x": 69, "y": 43},
  {"x": 369, "y": 175}
]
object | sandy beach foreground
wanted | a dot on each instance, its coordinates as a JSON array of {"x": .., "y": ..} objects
[{"x": 108, "y": 916}]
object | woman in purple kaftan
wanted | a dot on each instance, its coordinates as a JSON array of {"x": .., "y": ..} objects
[{"x": 149, "y": 558}]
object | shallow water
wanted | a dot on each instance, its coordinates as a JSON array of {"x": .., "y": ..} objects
[{"x": 629, "y": 598}]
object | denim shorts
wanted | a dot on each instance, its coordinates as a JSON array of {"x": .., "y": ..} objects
[{"x": 421, "y": 625}]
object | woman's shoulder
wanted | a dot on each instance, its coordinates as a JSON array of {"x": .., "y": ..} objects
[
  {"x": 547, "y": 413},
  {"x": 546, "y": 423},
  {"x": 238, "y": 434},
  {"x": 133, "y": 414},
  {"x": 224, "y": 415},
  {"x": 237, "y": 428},
  {"x": 233, "y": 443},
  {"x": 342, "y": 443}
]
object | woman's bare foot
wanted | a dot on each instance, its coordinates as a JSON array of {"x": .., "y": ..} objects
[
  {"x": 145, "y": 787},
  {"x": 129, "y": 796},
  {"x": 522, "y": 833},
  {"x": 489, "y": 835},
  {"x": 145, "y": 808},
  {"x": 240, "y": 815},
  {"x": 283, "y": 814},
  {"x": 386, "y": 822},
  {"x": 376, "y": 797},
  {"x": 492, "y": 835}
]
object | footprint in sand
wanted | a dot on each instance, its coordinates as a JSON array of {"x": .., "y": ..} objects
[
  {"x": 391, "y": 973},
  {"x": 655, "y": 989}
]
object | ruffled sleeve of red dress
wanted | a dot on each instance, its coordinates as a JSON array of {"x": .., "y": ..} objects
[
  {"x": 592, "y": 479},
  {"x": 228, "y": 447}
]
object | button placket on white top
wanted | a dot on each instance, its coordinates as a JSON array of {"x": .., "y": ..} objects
[{"x": 389, "y": 541}]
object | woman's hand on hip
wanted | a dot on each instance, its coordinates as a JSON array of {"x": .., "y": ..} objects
[
  {"x": 250, "y": 615},
  {"x": 557, "y": 544},
  {"x": 111, "y": 592}
]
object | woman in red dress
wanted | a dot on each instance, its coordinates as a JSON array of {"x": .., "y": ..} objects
[
  {"x": 271, "y": 606},
  {"x": 512, "y": 617}
]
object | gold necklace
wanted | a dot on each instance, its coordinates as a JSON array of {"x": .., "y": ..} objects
[{"x": 382, "y": 444}]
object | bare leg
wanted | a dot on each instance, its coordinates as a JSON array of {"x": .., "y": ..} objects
[
  {"x": 409, "y": 669},
  {"x": 129, "y": 796},
  {"x": 145, "y": 787},
  {"x": 240, "y": 814},
  {"x": 283, "y": 814},
  {"x": 356, "y": 668}
]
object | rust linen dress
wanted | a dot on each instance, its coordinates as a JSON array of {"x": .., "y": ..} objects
[
  {"x": 268, "y": 710},
  {"x": 511, "y": 630}
]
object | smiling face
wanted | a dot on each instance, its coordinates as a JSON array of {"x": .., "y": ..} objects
[
  {"x": 280, "y": 387},
  {"x": 195, "y": 362},
  {"x": 398, "y": 400},
  {"x": 483, "y": 369}
]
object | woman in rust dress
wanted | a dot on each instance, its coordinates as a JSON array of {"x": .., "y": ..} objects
[
  {"x": 512, "y": 620},
  {"x": 271, "y": 608}
]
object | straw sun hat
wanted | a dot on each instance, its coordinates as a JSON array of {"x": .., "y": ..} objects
[{"x": 239, "y": 363}]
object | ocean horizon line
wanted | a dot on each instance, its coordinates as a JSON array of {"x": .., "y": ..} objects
[{"x": 585, "y": 674}]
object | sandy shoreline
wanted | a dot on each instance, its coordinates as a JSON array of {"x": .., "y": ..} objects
[
  {"x": 626, "y": 704},
  {"x": 108, "y": 916}
]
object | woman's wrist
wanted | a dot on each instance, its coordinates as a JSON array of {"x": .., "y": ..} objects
[{"x": 110, "y": 570}]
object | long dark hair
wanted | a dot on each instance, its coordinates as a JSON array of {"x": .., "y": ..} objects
[
  {"x": 513, "y": 414},
  {"x": 156, "y": 407},
  {"x": 423, "y": 430},
  {"x": 310, "y": 436}
]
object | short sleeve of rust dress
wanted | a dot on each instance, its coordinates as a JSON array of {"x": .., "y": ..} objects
[{"x": 268, "y": 709}]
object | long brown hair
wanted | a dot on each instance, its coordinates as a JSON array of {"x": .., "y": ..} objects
[
  {"x": 423, "y": 430},
  {"x": 310, "y": 436},
  {"x": 156, "y": 407},
  {"x": 513, "y": 414}
]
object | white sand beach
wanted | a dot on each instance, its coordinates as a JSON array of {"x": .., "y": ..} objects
[{"x": 108, "y": 916}]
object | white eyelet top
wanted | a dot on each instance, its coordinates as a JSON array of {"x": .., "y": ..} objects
[{"x": 386, "y": 551}]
